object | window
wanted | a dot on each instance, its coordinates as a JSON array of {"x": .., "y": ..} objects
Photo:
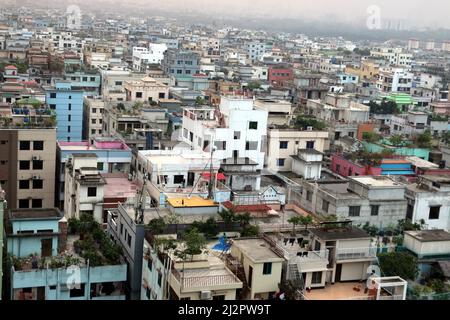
[
  {"x": 150, "y": 264},
  {"x": 85, "y": 79},
  {"x": 24, "y": 184},
  {"x": 178, "y": 179},
  {"x": 325, "y": 206},
  {"x": 69, "y": 118},
  {"x": 162, "y": 95},
  {"x": 118, "y": 83},
  {"x": 138, "y": 94},
  {"x": 68, "y": 129},
  {"x": 309, "y": 196},
  {"x": 129, "y": 241},
  {"x": 253, "y": 125},
  {"x": 147, "y": 293},
  {"x": 92, "y": 192},
  {"x": 70, "y": 107},
  {"x": 38, "y": 145},
  {"x": 159, "y": 279},
  {"x": 24, "y": 145},
  {"x": 188, "y": 71},
  {"x": 77, "y": 293},
  {"x": 354, "y": 211},
  {"x": 3, "y": 162},
  {"x": 24, "y": 165},
  {"x": 374, "y": 210},
  {"x": 316, "y": 278},
  {"x": 267, "y": 268},
  {"x": 94, "y": 121},
  {"x": 284, "y": 144},
  {"x": 237, "y": 135},
  {"x": 179, "y": 71},
  {"x": 221, "y": 145},
  {"x": 434, "y": 212},
  {"x": 92, "y": 78},
  {"x": 38, "y": 165},
  {"x": 36, "y": 203},
  {"x": 38, "y": 184},
  {"x": 310, "y": 144},
  {"x": 121, "y": 228},
  {"x": 24, "y": 204},
  {"x": 281, "y": 162},
  {"x": 53, "y": 95},
  {"x": 100, "y": 166}
]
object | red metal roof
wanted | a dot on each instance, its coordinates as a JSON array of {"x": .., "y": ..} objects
[
  {"x": 10, "y": 68},
  {"x": 219, "y": 176}
]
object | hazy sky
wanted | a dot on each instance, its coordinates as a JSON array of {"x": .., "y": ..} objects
[{"x": 420, "y": 13}]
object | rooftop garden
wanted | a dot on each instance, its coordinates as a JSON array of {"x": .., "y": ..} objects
[
  {"x": 94, "y": 245},
  {"x": 302, "y": 122},
  {"x": 385, "y": 107}
]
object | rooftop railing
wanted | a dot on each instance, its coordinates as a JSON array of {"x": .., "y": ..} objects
[{"x": 356, "y": 253}]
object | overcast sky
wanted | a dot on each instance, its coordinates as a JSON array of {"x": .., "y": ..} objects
[{"x": 419, "y": 13}]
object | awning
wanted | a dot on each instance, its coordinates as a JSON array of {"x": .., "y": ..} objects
[{"x": 219, "y": 176}]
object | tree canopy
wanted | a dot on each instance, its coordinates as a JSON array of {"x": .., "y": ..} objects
[{"x": 400, "y": 264}]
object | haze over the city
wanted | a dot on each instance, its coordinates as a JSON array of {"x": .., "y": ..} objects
[{"x": 402, "y": 14}]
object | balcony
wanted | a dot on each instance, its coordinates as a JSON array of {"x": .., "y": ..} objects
[
  {"x": 193, "y": 280},
  {"x": 356, "y": 254}
]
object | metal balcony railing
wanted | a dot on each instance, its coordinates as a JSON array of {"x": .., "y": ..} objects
[{"x": 356, "y": 253}]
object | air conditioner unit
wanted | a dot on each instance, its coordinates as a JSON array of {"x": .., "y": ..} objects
[
  {"x": 309, "y": 129},
  {"x": 206, "y": 295},
  {"x": 36, "y": 178},
  {"x": 35, "y": 158}
]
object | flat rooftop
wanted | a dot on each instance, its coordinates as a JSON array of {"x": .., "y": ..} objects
[
  {"x": 429, "y": 235},
  {"x": 118, "y": 186},
  {"x": 376, "y": 181},
  {"x": 257, "y": 250},
  {"x": 344, "y": 233},
  {"x": 193, "y": 202},
  {"x": 35, "y": 214}
]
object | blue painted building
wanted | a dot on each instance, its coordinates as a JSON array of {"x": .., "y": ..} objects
[
  {"x": 33, "y": 231},
  {"x": 88, "y": 82},
  {"x": 68, "y": 103}
]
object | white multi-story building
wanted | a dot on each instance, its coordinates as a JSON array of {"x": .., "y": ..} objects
[
  {"x": 394, "y": 80},
  {"x": 238, "y": 133},
  {"x": 395, "y": 56},
  {"x": 409, "y": 124},
  {"x": 84, "y": 190},
  {"x": 142, "y": 56},
  {"x": 429, "y": 202}
]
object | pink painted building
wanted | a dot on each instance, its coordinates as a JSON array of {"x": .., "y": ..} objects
[{"x": 346, "y": 168}]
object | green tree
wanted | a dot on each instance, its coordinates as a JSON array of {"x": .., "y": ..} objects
[
  {"x": 306, "y": 221},
  {"x": 157, "y": 226},
  {"x": 195, "y": 242},
  {"x": 424, "y": 139},
  {"x": 400, "y": 264},
  {"x": 396, "y": 140},
  {"x": 371, "y": 137},
  {"x": 254, "y": 85},
  {"x": 228, "y": 216},
  {"x": 303, "y": 122},
  {"x": 250, "y": 231},
  {"x": 295, "y": 221},
  {"x": 200, "y": 101}
]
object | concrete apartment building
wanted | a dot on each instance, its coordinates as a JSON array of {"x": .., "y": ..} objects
[
  {"x": 93, "y": 118},
  {"x": 394, "y": 80},
  {"x": 259, "y": 264},
  {"x": 47, "y": 237},
  {"x": 280, "y": 111},
  {"x": 68, "y": 104},
  {"x": 145, "y": 90},
  {"x": 84, "y": 187},
  {"x": 167, "y": 277},
  {"x": 27, "y": 166},
  {"x": 377, "y": 200},
  {"x": 181, "y": 64},
  {"x": 429, "y": 200},
  {"x": 341, "y": 112},
  {"x": 285, "y": 143},
  {"x": 238, "y": 134},
  {"x": 394, "y": 56}
]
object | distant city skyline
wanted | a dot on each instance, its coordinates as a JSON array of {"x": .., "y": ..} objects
[{"x": 408, "y": 14}]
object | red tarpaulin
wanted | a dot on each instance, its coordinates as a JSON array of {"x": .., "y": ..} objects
[{"x": 219, "y": 176}]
